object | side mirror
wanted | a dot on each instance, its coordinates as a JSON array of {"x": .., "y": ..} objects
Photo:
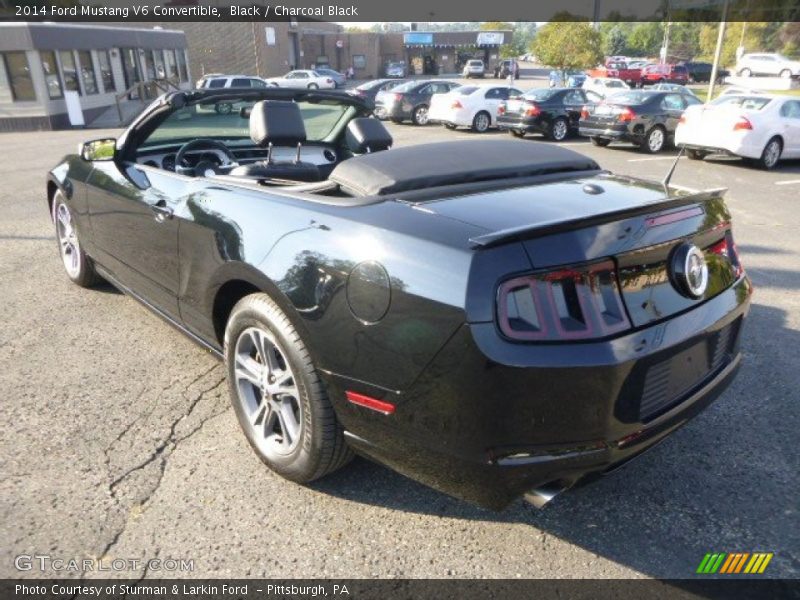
[{"x": 98, "y": 150}]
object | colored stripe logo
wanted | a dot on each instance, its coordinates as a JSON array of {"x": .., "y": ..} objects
[{"x": 753, "y": 563}]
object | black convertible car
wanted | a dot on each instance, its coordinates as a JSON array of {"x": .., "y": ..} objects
[{"x": 491, "y": 318}]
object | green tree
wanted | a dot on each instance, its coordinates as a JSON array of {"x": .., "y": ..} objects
[
  {"x": 646, "y": 38},
  {"x": 616, "y": 42},
  {"x": 568, "y": 45},
  {"x": 755, "y": 40}
]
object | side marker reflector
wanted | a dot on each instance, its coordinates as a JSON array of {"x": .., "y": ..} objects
[{"x": 381, "y": 406}]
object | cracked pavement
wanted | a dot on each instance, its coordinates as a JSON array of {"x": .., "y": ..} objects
[{"x": 118, "y": 439}]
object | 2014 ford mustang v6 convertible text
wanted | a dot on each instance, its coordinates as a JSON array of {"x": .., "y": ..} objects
[{"x": 492, "y": 318}]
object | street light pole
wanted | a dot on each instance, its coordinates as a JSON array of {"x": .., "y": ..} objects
[{"x": 717, "y": 52}]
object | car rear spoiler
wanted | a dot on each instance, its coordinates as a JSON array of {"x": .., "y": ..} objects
[{"x": 524, "y": 232}]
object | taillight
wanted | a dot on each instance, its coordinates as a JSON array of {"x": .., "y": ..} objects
[
  {"x": 532, "y": 110},
  {"x": 585, "y": 112},
  {"x": 726, "y": 248},
  {"x": 742, "y": 123},
  {"x": 329, "y": 80},
  {"x": 501, "y": 110},
  {"x": 682, "y": 119},
  {"x": 626, "y": 115},
  {"x": 456, "y": 105},
  {"x": 565, "y": 304}
]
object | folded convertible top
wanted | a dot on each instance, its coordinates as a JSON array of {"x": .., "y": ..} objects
[{"x": 449, "y": 163}]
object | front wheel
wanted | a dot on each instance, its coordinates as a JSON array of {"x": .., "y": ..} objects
[
  {"x": 481, "y": 122},
  {"x": 79, "y": 267},
  {"x": 602, "y": 142},
  {"x": 313, "y": 86},
  {"x": 771, "y": 154},
  {"x": 745, "y": 73},
  {"x": 654, "y": 140},
  {"x": 785, "y": 74},
  {"x": 277, "y": 393},
  {"x": 420, "y": 115},
  {"x": 558, "y": 130}
]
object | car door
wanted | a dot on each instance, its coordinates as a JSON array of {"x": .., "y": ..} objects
[
  {"x": 573, "y": 103},
  {"x": 672, "y": 107},
  {"x": 131, "y": 216},
  {"x": 297, "y": 79},
  {"x": 789, "y": 116}
]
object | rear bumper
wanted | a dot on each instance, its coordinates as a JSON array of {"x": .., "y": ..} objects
[
  {"x": 525, "y": 125},
  {"x": 392, "y": 111},
  {"x": 733, "y": 144},
  {"x": 489, "y": 420},
  {"x": 612, "y": 133}
]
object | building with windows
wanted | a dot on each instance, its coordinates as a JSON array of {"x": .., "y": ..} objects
[{"x": 41, "y": 62}]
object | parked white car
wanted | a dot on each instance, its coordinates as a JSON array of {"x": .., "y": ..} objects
[
  {"x": 474, "y": 68},
  {"x": 472, "y": 106},
  {"x": 767, "y": 64},
  {"x": 765, "y": 128},
  {"x": 605, "y": 86},
  {"x": 303, "y": 78},
  {"x": 215, "y": 82}
]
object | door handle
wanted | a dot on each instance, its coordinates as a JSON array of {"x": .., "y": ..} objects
[{"x": 162, "y": 210}]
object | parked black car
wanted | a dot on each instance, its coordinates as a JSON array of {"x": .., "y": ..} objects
[
  {"x": 470, "y": 313},
  {"x": 370, "y": 89},
  {"x": 646, "y": 118},
  {"x": 553, "y": 112},
  {"x": 701, "y": 72},
  {"x": 411, "y": 100}
]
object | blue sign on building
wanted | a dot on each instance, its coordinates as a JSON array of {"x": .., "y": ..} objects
[{"x": 418, "y": 39}]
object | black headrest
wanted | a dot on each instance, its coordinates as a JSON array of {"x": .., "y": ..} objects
[
  {"x": 277, "y": 122},
  {"x": 367, "y": 135}
]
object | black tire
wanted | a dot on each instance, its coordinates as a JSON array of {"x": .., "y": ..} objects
[
  {"x": 771, "y": 155},
  {"x": 654, "y": 141},
  {"x": 481, "y": 122},
  {"x": 785, "y": 73},
  {"x": 558, "y": 130},
  {"x": 516, "y": 133},
  {"x": 695, "y": 154},
  {"x": 321, "y": 447},
  {"x": 420, "y": 115},
  {"x": 223, "y": 108},
  {"x": 450, "y": 126},
  {"x": 78, "y": 266},
  {"x": 313, "y": 86},
  {"x": 602, "y": 142},
  {"x": 745, "y": 73}
]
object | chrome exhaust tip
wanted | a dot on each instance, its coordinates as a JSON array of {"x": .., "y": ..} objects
[{"x": 542, "y": 495}]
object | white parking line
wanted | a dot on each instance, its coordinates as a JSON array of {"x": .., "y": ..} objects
[
  {"x": 653, "y": 158},
  {"x": 788, "y": 182}
]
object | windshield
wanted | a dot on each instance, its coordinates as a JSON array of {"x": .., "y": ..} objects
[
  {"x": 540, "y": 94},
  {"x": 222, "y": 120},
  {"x": 743, "y": 102}
]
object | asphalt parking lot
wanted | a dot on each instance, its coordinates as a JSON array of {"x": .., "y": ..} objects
[{"x": 118, "y": 438}]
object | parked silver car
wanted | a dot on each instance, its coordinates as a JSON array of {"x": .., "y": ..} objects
[{"x": 767, "y": 64}]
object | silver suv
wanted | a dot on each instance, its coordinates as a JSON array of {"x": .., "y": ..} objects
[
  {"x": 232, "y": 81},
  {"x": 474, "y": 68},
  {"x": 767, "y": 64}
]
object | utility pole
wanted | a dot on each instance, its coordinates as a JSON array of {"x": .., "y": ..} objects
[
  {"x": 717, "y": 52},
  {"x": 665, "y": 46}
]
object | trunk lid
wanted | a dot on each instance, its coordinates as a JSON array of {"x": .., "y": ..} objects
[{"x": 636, "y": 224}]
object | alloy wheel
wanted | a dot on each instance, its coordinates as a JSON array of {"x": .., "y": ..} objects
[
  {"x": 559, "y": 130},
  {"x": 68, "y": 244},
  {"x": 421, "y": 115},
  {"x": 481, "y": 122},
  {"x": 655, "y": 141},
  {"x": 772, "y": 153},
  {"x": 267, "y": 390}
]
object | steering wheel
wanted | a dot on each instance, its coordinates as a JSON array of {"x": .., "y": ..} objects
[{"x": 203, "y": 168}]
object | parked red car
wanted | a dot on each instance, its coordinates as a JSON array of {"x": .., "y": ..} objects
[{"x": 668, "y": 73}]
